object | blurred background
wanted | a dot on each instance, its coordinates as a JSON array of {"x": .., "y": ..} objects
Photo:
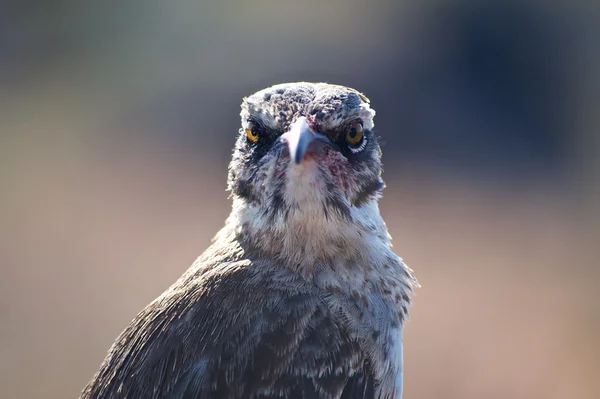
[{"x": 117, "y": 121}]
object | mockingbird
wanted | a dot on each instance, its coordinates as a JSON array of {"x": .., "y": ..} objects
[{"x": 300, "y": 294}]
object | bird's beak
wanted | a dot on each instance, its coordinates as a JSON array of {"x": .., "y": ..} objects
[{"x": 299, "y": 138}]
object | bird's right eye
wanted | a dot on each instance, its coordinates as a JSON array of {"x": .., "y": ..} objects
[{"x": 252, "y": 133}]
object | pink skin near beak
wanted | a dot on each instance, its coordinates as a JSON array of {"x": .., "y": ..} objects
[{"x": 299, "y": 137}]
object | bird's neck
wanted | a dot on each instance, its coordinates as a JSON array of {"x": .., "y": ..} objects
[
  {"x": 304, "y": 241},
  {"x": 309, "y": 234},
  {"x": 354, "y": 259}
]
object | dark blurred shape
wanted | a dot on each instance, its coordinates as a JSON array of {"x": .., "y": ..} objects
[{"x": 490, "y": 97}]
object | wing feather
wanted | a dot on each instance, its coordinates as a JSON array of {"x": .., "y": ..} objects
[{"x": 238, "y": 333}]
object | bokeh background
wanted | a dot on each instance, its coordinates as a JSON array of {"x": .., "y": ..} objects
[{"x": 117, "y": 121}]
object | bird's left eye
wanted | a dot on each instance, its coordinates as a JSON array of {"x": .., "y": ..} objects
[
  {"x": 252, "y": 132},
  {"x": 354, "y": 134}
]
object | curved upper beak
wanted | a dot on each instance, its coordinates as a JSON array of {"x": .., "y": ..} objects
[{"x": 299, "y": 138}]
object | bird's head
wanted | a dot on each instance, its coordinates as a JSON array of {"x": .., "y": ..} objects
[{"x": 306, "y": 171}]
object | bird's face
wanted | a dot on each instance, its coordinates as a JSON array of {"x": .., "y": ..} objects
[{"x": 306, "y": 163}]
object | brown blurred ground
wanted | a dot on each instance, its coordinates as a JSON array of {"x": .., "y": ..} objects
[{"x": 103, "y": 205}]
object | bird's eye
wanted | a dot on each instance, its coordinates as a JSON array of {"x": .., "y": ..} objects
[
  {"x": 252, "y": 132},
  {"x": 354, "y": 134}
]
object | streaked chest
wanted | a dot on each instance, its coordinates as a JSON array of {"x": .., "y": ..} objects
[{"x": 374, "y": 321}]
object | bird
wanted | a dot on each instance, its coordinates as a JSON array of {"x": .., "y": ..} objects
[{"x": 299, "y": 295}]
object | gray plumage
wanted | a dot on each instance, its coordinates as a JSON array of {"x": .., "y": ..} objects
[{"x": 300, "y": 295}]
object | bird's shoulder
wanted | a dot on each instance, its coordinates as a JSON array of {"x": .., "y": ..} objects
[{"x": 235, "y": 329}]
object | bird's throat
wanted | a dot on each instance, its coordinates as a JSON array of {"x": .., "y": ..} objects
[{"x": 311, "y": 232}]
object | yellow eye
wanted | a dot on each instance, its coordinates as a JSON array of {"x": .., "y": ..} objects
[
  {"x": 354, "y": 134},
  {"x": 251, "y": 132}
]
